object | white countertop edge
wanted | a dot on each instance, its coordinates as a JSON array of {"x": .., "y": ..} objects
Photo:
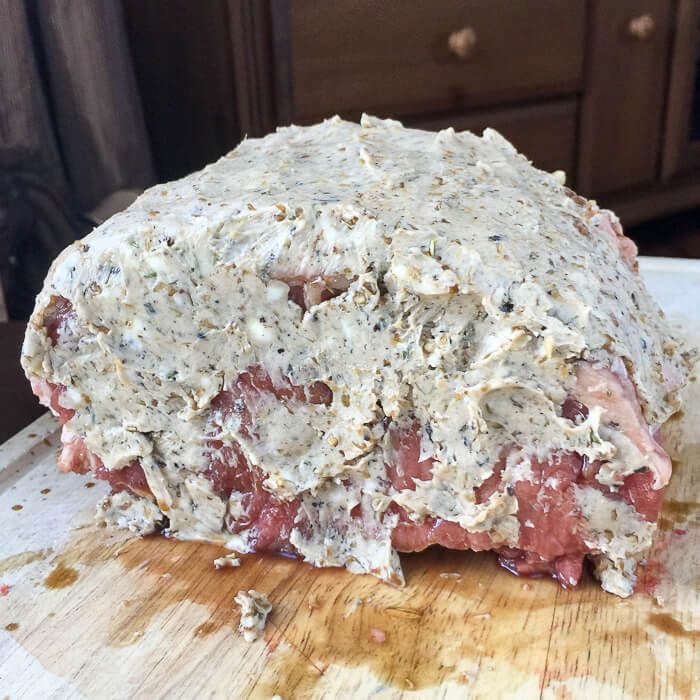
[{"x": 648, "y": 263}]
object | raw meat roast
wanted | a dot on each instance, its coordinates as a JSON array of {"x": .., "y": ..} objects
[{"x": 343, "y": 341}]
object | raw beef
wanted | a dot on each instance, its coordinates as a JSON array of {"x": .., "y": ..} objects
[{"x": 345, "y": 341}]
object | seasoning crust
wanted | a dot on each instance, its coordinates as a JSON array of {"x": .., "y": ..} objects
[{"x": 478, "y": 290}]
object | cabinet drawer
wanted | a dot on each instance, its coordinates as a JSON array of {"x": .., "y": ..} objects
[
  {"x": 546, "y": 133},
  {"x": 399, "y": 57},
  {"x": 622, "y": 110}
]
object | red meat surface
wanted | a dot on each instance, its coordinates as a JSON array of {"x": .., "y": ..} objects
[
  {"x": 606, "y": 224},
  {"x": 552, "y": 530},
  {"x": 268, "y": 519},
  {"x": 130, "y": 477},
  {"x": 309, "y": 291},
  {"x": 77, "y": 458},
  {"x": 57, "y": 315}
]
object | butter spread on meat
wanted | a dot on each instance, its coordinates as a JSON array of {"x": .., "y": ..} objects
[{"x": 477, "y": 287}]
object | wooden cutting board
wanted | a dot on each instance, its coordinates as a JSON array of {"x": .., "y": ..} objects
[{"x": 89, "y": 612}]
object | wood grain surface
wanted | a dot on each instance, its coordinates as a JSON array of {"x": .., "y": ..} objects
[
  {"x": 182, "y": 56},
  {"x": 624, "y": 95},
  {"x": 90, "y": 612},
  {"x": 400, "y": 63}
]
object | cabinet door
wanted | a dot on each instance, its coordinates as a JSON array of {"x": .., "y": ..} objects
[
  {"x": 682, "y": 138},
  {"x": 402, "y": 58},
  {"x": 625, "y": 85}
]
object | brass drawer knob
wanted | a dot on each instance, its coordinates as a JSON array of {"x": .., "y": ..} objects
[
  {"x": 462, "y": 42},
  {"x": 641, "y": 27}
]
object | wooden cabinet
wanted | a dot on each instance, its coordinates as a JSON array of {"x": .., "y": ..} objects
[
  {"x": 682, "y": 137},
  {"x": 423, "y": 56},
  {"x": 607, "y": 90},
  {"x": 623, "y": 101}
]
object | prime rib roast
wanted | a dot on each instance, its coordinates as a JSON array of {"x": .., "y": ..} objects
[{"x": 344, "y": 341}]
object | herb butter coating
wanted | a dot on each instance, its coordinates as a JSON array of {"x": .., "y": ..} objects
[{"x": 478, "y": 286}]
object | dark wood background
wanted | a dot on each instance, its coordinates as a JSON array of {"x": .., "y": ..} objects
[
  {"x": 183, "y": 61},
  {"x": 566, "y": 80}
]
